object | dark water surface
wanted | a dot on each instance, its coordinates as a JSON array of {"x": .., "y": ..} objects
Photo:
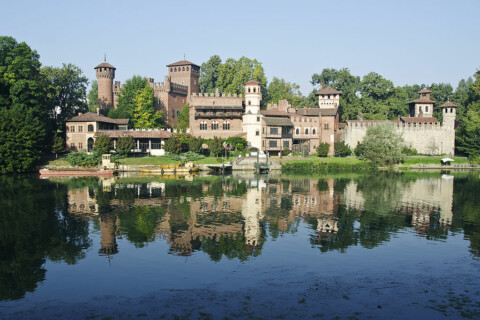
[{"x": 244, "y": 246}]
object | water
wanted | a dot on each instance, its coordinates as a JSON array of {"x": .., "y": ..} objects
[{"x": 243, "y": 246}]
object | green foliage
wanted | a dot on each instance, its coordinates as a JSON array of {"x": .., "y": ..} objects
[
  {"x": 468, "y": 135},
  {"x": 124, "y": 145},
  {"x": 322, "y": 149},
  {"x": 341, "y": 149},
  {"x": 409, "y": 152},
  {"x": 183, "y": 119},
  {"x": 216, "y": 146},
  {"x": 187, "y": 156},
  {"x": 209, "y": 73},
  {"x": 144, "y": 115},
  {"x": 238, "y": 143},
  {"x": 174, "y": 144},
  {"x": 126, "y": 99},
  {"x": 279, "y": 89},
  {"x": 24, "y": 121},
  {"x": 382, "y": 145},
  {"x": 67, "y": 88},
  {"x": 195, "y": 145},
  {"x": 326, "y": 167},
  {"x": 358, "y": 151},
  {"x": 92, "y": 97},
  {"x": 58, "y": 144},
  {"x": 285, "y": 151},
  {"x": 83, "y": 159},
  {"x": 103, "y": 144}
]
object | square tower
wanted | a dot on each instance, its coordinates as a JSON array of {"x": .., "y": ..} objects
[{"x": 185, "y": 73}]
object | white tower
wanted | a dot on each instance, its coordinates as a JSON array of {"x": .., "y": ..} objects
[
  {"x": 449, "y": 112},
  {"x": 328, "y": 98},
  {"x": 252, "y": 119}
]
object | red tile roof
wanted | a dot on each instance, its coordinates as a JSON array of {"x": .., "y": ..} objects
[
  {"x": 105, "y": 65},
  {"x": 182, "y": 63},
  {"x": 422, "y": 100},
  {"x": 448, "y": 104},
  {"x": 93, "y": 117},
  {"x": 252, "y": 82},
  {"x": 328, "y": 90},
  {"x": 419, "y": 119},
  {"x": 424, "y": 90},
  {"x": 153, "y": 134}
]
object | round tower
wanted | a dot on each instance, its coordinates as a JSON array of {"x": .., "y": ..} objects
[
  {"x": 252, "y": 119},
  {"x": 105, "y": 73},
  {"x": 253, "y": 97}
]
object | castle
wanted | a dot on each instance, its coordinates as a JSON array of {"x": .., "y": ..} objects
[{"x": 278, "y": 126}]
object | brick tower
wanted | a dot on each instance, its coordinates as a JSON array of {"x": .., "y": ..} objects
[
  {"x": 105, "y": 74},
  {"x": 185, "y": 73}
]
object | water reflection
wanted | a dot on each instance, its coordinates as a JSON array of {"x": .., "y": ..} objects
[{"x": 224, "y": 217}]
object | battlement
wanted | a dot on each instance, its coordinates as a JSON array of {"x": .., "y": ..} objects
[{"x": 396, "y": 124}]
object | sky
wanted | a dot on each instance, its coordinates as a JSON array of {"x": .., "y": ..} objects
[{"x": 407, "y": 42}]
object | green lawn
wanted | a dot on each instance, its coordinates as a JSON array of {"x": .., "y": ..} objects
[
  {"x": 432, "y": 160},
  {"x": 61, "y": 162},
  {"x": 165, "y": 160}
]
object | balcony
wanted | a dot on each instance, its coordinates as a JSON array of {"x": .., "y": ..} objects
[{"x": 210, "y": 115}]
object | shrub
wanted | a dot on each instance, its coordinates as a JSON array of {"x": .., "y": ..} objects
[
  {"x": 216, "y": 146},
  {"x": 410, "y": 152},
  {"x": 341, "y": 149},
  {"x": 195, "y": 145},
  {"x": 174, "y": 144},
  {"x": 382, "y": 145},
  {"x": 322, "y": 149},
  {"x": 358, "y": 150},
  {"x": 58, "y": 145},
  {"x": 124, "y": 145},
  {"x": 83, "y": 159},
  {"x": 286, "y": 151},
  {"x": 238, "y": 143},
  {"x": 103, "y": 144}
]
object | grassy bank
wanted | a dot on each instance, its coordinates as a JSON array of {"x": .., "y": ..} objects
[
  {"x": 327, "y": 165},
  {"x": 166, "y": 160}
]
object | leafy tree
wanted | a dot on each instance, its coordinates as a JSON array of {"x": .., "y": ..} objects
[
  {"x": 124, "y": 145},
  {"x": 285, "y": 151},
  {"x": 209, "y": 73},
  {"x": 382, "y": 145},
  {"x": 341, "y": 149},
  {"x": 216, "y": 146},
  {"x": 24, "y": 122},
  {"x": 322, "y": 149},
  {"x": 279, "y": 89},
  {"x": 144, "y": 115},
  {"x": 195, "y": 145},
  {"x": 92, "y": 97},
  {"x": 238, "y": 143},
  {"x": 103, "y": 144},
  {"x": 468, "y": 135},
  {"x": 174, "y": 144},
  {"x": 126, "y": 99},
  {"x": 67, "y": 88},
  {"x": 183, "y": 118},
  {"x": 309, "y": 101},
  {"x": 58, "y": 145}
]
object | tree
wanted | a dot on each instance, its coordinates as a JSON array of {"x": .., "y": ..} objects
[
  {"x": 58, "y": 145},
  {"x": 341, "y": 149},
  {"x": 24, "y": 119},
  {"x": 322, "y": 149},
  {"x": 279, "y": 89},
  {"x": 195, "y": 145},
  {"x": 183, "y": 119},
  {"x": 468, "y": 135},
  {"x": 103, "y": 144},
  {"x": 144, "y": 115},
  {"x": 216, "y": 146},
  {"x": 209, "y": 73},
  {"x": 174, "y": 144},
  {"x": 124, "y": 145},
  {"x": 382, "y": 145},
  {"x": 67, "y": 87},
  {"x": 126, "y": 99},
  {"x": 93, "y": 97}
]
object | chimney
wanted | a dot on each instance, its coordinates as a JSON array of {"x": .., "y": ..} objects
[{"x": 98, "y": 111}]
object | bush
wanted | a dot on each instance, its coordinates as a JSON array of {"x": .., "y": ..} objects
[
  {"x": 83, "y": 159},
  {"x": 410, "y": 152},
  {"x": 58, "y": 144},
  {"x": 322, "y": 149},
  {"x": 103, "y": 144},
  {"x": 382, "y": 145},
  {"x": 358, "y": 150},
  {"x": 238, "y": 143},
  {"x": 286, "y": 151},
  {"x": 174, "y": 144},
  {"x": 187, "y": 156},
  {"x": 195, "y": 145},
  {"x": 124, "y": 145},
  {"x": 342, "y": 150},
  {"x": 216, "y": 146}
]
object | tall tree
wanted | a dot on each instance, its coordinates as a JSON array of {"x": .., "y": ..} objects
[
  {"x": 183, "y": 118},
  {"x": 144, "y": 115},
  {"x": 209, "y": 73},
  {"x": 93, "y": 97},
  {"x": 279, "y": 89},
  {"x": 468, "y": 135},
  {"x": 23, "y": 107},
  {"x": 67, "y": 87},
  {"x": 234, "y": 73},
  {"x": 126, "y": 99}
]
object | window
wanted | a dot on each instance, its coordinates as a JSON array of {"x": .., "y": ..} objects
[
  {"x": 249, "y": 102},
  {"x": 72, "y": 146},
  {"x": 175, "y": 69},
  {"x": 297, "y": 131},
  {"x": 326, "y": 126},
  {"x": 187, "y": 68},
  {"x": 253, "y": 89},
  {"x": 203, "y": 125},
  {"x": 273, "y": 130},
  {"x": 72, "y": 128},
  {"x": 306, "y": 130},
  {"x": 215, "y": 125},
  {"x": 426, "y": 108},
  {"x": 257, "y": 133},
  {"x": 80, "y": 128},
  {"x": 248, "y": 90},
  {"x": 226, "y": 125},
  {"x": 90, "y": 128},
  {"x": 272, "y": 143},
  {"x": 258, "y": 119},
  {"x": 286, "y": 144},
  {"x": 80, "y": 146},
  {"x": 314, "y": 131},
  {"x": 195, "y": 82},
  {"x": 173, "y": 113},
  {"x": 171, "y": 69},
  {"x": 263, "y": 130},
  {"x": 178, "y": 113},
  {"x": 183, "y": 69}
]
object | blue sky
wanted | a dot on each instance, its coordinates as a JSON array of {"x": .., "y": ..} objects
[{"x": 405, "y": 41}]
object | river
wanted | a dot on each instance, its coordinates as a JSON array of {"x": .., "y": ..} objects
[{"x": 242, "y": 246}]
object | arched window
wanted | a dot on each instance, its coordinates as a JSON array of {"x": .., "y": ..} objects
[
  {"x": 183, "y": 68},
  {"x": 203, "y": 125},
  {"x": 306, "y": 130},
  {"x": 171, "y": 69},
  {"x": 175, "y": 69},
  {"x": 326, "y": 126},
  {"x": 248, "y": 90},
  {"x": 297, "y": 131},
  {"x": 254, "y": 89},
  {"x": 226, "y": 125},
  {"x": 426, "y": 108},
  {"x": 215, "y": 125},
  {"x": 187, "y": 68},
  {"x": 90, "y": 128},
  {"x": 314, "y": 131}
]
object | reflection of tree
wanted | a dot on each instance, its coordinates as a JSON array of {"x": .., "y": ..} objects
[
  {"x": 231, "y": 247},
  {"x": 138, "y": 223},
  {"x": 34, "y": 226}
]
